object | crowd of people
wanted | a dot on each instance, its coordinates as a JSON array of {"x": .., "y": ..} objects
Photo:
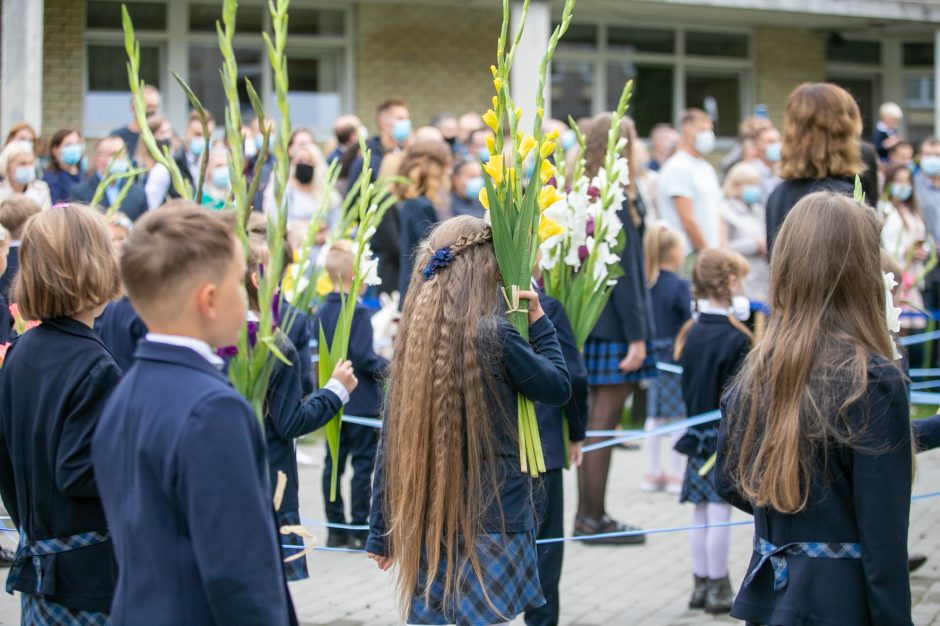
[{"x": 754, "y": 288}]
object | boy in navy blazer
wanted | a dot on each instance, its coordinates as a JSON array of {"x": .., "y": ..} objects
[
  {"x": 15, "y": 211},
  {"x": 357, "y": 442},
  {"x": 179, "y": 454}
]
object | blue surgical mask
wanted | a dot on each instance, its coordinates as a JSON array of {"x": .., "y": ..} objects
[
  {"x": 119, "y": 166},
  {"x": 569, "y": 139},
  {"x": 197, "y": 145},
  {"x": 72, "y": 153},
  {"x": 901, "y": 191},
  {"x": 401, "y": 130},
  {"x": 751, "y": 194},
  {"x": 24, "y": 174},
  {"x": 930, "y": 165},
  {"x": 220, "y": 177},
  {"x": 259, "y": 141},
  {"x": 484, "y": 154},
  {"x": 773, "y": 151},
  {"x": 474, "y": 186},
  {"x": 705, "y": 141},
  {"x": 28, "y": 142}
]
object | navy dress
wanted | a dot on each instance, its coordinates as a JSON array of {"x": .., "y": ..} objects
[
  {"x": 672, "y": 308},
  {"x": 860, "y": 495},
  {"x": 121, "y": 329},
  {"x": 417, "y": 217},
  {"x": 53, "y": 386},
  {"x": 714, "y": 351},
  {"x": 535, "y": 368},
  {"x": 181, "y": 467}
]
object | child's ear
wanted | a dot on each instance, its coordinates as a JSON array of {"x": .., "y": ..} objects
[
  {"x": 206, "y": 296},
  {"x": 254, "y": 280}
]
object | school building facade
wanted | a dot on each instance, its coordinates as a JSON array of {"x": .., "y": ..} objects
[{"x": 62, "y": 62}]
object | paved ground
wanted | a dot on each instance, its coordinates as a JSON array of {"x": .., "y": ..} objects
[{"x": 600, "y": 585}]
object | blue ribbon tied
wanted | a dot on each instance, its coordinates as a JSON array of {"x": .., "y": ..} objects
[
  {"x": 778, "y": 556},
  {"x": 32, "y": 551}
]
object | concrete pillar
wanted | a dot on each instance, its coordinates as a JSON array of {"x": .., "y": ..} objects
[
  {"x": 525, "y": 73},
  {"x": 21, "y": 65},
  {"x": 175, "y": 102}
]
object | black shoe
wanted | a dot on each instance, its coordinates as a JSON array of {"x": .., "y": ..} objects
[
  {"x": 6, "y": 557},
  {"x": 914, "y": 562},
  {"x": 337, "y": 540},
  {"x": 697, "y": 601},
  {"x": 603, "y": 525},
  {"x": 718, "y": 596},
  {"x": 357, "y": 539}
]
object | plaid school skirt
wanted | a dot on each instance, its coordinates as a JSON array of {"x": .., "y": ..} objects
[
  {"x": 698, "y": 489},
  {"x": 664, "y": 397},
  {"x": 296, "y": 569},
  {"x": 510, "y": 578},
  {"x": 40, "y": 611},
  {"x": 601, "y": 358}
]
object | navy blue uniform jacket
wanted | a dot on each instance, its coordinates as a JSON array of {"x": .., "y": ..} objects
[
  {"x": 13, "y": 265},
  {"x": 535, "y": 368},
  {"x": 133, "y": 206},
  {"x": 370, "y": 368},
  {"x": 287, "y": 416},
  {"x": 549, "y": 417},
  {"x": 53, "y": 387},
  {"x": 121, "y": 329},
  {"x": 417, "y": 217},
  {"x": 182, "y": 474},
  {"x": 672, "y": 308},
  {"x": 789, "y": 192},
  {"x": 6, "y": 321},
  {"x": 299, "y": 335},
  {"x": 860, "y": 495},
  {"x": 627, "y": 315}
]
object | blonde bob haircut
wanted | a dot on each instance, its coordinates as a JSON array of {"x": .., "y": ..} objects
[
  {"x": 822, "y": 130},
  {"x": 67, "y": 264}
]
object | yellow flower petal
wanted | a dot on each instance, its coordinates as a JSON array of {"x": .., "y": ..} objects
[
  {"x": 485, "y": 199},
  {"x": 552, "y": 136},
  {"x": 491, "y": 144},
  {"x": 490, "y": 119},
  {"x": 549, "y": 228},
  {"x": 548, "y": 148},
  {"x": 512, "y": 176},
  {"x": 498, "y": 84},
  {"x": 324, "y": 284},
  {"x": 546, "y": 172},
  {"x": 495, "y": 102},
  {"x": 548, "y": 196},
  {"x": 518, "y": 114},
  {"x": 525, "y": 147},
  {"x": 541, "y": 112},
  {"x": 494, "y": 167},
  {"x": 493, "y": 70}
]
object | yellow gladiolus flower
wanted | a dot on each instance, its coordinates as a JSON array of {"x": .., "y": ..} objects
[
  {"x": 552, "y": 136},
  {"x": 498, "y": 84},
  {"x": 512, "y": 176},
  {"x": 548, "y": 196},
  {"x": 518, "y": 114},
  {"x": 491, "y": 144},
  {"x": 324, "y": 284},
  {"x": 549, "y": 228},
  {"x": 493, "y": 70},
  {"x": 490, "y": 119},
  {"x": 547, "y": 149},
  {"x": 495, "y": 103},
  {"x": 494, "y": 167},
  {"x": 546, "y": 172},
  {"x": 484, "y": 199},
  {"x": 525, "y": 146}
]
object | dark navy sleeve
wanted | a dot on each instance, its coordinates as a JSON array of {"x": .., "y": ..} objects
[
  {"x": 723, "y": 483},
  {"x": 629, "y": 294},
  {"x": 7, "y": 483},
  {"x": 288, "y": 413},
  {"x": 576, "y": 409},
  {"x": 74, "y": 471},
  {"x": 355, "y": 171},
  {"x": 683, "y": 301},
  {"x": 376, "y": 542},
  {"x": 536, "y": 368},
  {"x": 882, "y": 475},
  {"x": 361, "y": 351},
  {"x": 927, "y": 433},
  {"x": 224, "y": 496}
]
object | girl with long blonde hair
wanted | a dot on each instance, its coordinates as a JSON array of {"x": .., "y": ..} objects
[
  {"x": 450, "y": 508},
  {"x": 816, "y": 435}
]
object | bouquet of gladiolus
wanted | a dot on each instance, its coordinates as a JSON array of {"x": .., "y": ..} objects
[
  {"x": 581, "y": 236},
  {"x": 514, "y": 207}
]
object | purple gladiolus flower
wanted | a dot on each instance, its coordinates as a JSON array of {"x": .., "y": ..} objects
[
  {"x": 582, "y": 253},
  {"x": 252, "y": 333},
  {"x": 228, "y": 352},
  {"x": 593, "y": 192},
  {"x": 589, "y": 228}
]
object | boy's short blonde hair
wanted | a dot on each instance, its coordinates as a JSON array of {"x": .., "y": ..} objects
[
  {"x": 67, "y": 265},
  {"x": 168, "y": 250},
  {"x": 340, "y": 260},
  {"x": 15, "y": 211}
]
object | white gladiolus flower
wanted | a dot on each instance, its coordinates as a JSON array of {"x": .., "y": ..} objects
[
  {"x": 369, "y": 267},
  {"x": 892, "y": 313}
]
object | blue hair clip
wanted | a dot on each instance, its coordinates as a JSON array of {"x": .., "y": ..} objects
[{"x": 438, "y": 261}]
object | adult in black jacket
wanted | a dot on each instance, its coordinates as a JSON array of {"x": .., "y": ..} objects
[
  {"x": 821, "y": 149},
  {"x": 135, "y": 202}
]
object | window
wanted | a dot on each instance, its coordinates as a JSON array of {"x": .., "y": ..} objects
[
  {"x": 920, "y": 92},
  {"x": 579, "y": 37},
  {"x": 717, "y": 93},
  {"x": 203, "y": 18},
  {"x": 627, "y": 39},
  {"x": 572, "y": 89},
  {"x": 147, "y": 16},
  {"x": 316, "y": 22},
  {"x": 918, "y": 54},
  {"x": 205, "y": 81},
  {"x": 651, "y": 102},
  {"x": 315, "y": 97},
  {"x": 107, "y": 98},
  {"x": 716, "y": 44},
  {"x": 839, "y": 50}
]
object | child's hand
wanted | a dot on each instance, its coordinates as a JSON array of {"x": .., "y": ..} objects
[
  {"x": 575, "y": 453},
  {"x": 344, "y": 374},
  {"x": 636, "y": 354},
  {"x": 382, "y": 561},
  {"x": 535, "y": 309}
]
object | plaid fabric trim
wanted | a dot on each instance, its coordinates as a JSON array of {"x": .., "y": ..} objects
[
  {"x": 296, "y": 569},
  {"x": 510, "y": 580},
  {"x": 601, "y": 358},
  {"x": 39, "y": 611},
  {"x": 35, "y": 549},
  {"x": 778, "y": 556}
]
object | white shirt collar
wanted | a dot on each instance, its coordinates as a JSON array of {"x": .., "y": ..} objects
[
  {"x": 705, "y": 307},
  {"x": 196, "y": 345},
  {"x": 15, "y": 243}
]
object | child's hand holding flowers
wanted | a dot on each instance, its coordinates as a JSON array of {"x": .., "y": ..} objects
[{"x": 535, "y": 309}]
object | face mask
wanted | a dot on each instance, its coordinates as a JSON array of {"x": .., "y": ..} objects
[
  {"x": 773, "y": 151},
  {"x": 303, "y": 172},
  {"x": 901, "y": 191},
  {"x": 28, "y": 142},
  {"x": 72, "y": 153},
  {"x": 220, "y": 177},
  {"x": 118, "y": 167},
  {"x": 741, "y": 308},
  {"x": 474, "y": 186},
  {"x": 704, "y": 141},
  {"x": 569, "y": 139},
  {"x": 930, "y": 164},
  {"x": 24, "y": 174},
  {"x": 251, "y": 148},
  {"x": 163, "y": 143},
  {"x": 484, "y": 154},
  {"x": 401, "y": 130},
  {"x": 197, "y": 145},
  {"x": 751, "y": 194}
]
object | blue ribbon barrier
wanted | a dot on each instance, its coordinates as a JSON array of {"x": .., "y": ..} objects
[
  {"x": 923, "y": 373},
  {"x": 925, "y": 384},
  {"x": 669, "y": 367},
  {"x": 909, "y": 340},
  {"x": 681, "y": 425},
  {"x": 920, "y": 397},
  {"x": 374, "y": 422}
]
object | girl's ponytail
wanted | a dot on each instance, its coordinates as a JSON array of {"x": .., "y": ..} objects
[{"x": 657, "y": 243}]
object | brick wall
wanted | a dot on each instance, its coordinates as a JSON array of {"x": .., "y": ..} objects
[
  {"x": 782, "y": 60},
  {"x": 62, "y": 64},
  {"x": 436, "y": 58}
]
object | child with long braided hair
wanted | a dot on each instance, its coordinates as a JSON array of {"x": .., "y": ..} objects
[{"x": 451, "y": 508}]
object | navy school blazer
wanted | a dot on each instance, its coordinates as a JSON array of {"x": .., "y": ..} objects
[
  {"x": 550, "y": 417},
  {"x": 535, "y": 368},
  {"x": 861, "y": 495},
  {"x": 13, "y": 266},
  {"x": 289, "y": 415},
  {"x": 299, "y": 335},
  {"x": 121, "y": 329},
  {"x": 6, "y": 321},
  {"x": 53, "y": 387},
  {"x": 182, "y": 473},
  {"x": 370, "y": 368}
]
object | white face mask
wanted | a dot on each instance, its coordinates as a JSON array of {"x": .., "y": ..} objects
[{"x": 705, "y": 141}]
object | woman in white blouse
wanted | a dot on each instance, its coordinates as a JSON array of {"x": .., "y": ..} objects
[{"x": 18, "y": 166}]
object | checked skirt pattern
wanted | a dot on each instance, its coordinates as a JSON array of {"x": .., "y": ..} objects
[
  {"x": 510, "y": 577},
  {"x": 777, "y": 556},
  {"x": 38, "y": 611}
]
